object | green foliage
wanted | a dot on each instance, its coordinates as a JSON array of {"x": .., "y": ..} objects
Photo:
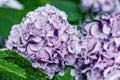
[
  {"x": 12, "y": 68},
  {"x": 70, "y": 7},
  {"x": 15, "y": 67},
  {"x": 67, "y": 75},
  {"x": 8, "y": 17}
]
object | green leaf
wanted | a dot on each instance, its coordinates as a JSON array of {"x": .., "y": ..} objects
[
  {"x": 12, "y": 68},
  {"x": 16, "y": 59},
  {"x": 4, "y": 75},
  {"x": 3, "y": 55},
  {"x": 67, "y": 75}
]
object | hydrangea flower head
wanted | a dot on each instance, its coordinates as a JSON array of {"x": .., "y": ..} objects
[
  {"x": 100, "y": 56},
  {"x": 46, "y": 38}
]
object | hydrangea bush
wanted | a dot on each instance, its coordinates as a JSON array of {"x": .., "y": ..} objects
[
  {"x": 100, "y": 5},
  {"x": 100, "y": 56},
  {"x": 46, "y": 38}
]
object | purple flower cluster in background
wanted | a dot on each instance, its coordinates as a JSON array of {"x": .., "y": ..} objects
[
  {"x": 46, "y": 38},
  {"x": 100, "y": 56},
  {"x": 100, "y": 5}
]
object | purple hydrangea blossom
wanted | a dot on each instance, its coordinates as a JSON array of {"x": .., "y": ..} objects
[
  {"x": 100, "y": 50},
  {"x": 46, "y": 38},
  {"x": 110, "y": 73},
  {"x": 100, "y": 5}
]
